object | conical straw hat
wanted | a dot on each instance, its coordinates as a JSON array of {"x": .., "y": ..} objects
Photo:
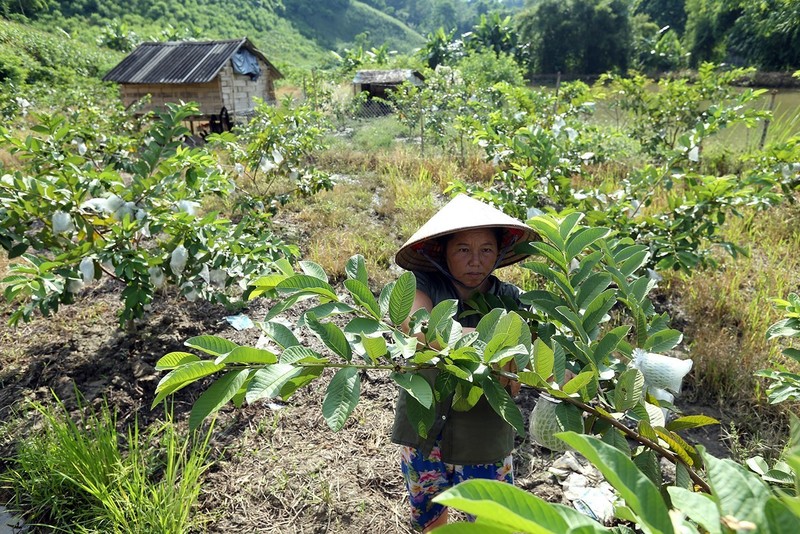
[{"x": 461, "y": 213}]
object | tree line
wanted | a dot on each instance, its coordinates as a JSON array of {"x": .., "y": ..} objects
[{"x": 544, "y": 36}]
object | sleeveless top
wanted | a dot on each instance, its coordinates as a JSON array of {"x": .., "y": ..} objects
[{"x": 476, "y": 436}]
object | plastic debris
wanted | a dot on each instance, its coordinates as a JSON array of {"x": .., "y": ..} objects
[{"x": 240, "y": 322}]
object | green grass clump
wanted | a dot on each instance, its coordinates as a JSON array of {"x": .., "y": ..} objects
[{"x": 84, "y": 476}]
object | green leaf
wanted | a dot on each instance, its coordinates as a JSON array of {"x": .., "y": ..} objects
[
  {"x": 326, "y": 310},
  {"x": 579, "y": 382},
  {"x": 416, "y": 386},
  {"x": 269, "y": 281},
  {"x": 594, "y": 284},
  {"x": 175, "y": 359},
  {"x": 792, "y": 353},
  {"x": 635, "y": 262},
  {"x": 216, "y": 396},
  {"x": 267, "y": 383},
  {"x": 214, "y": 345},
  {"x": 506, "y": 333},
  {"x": 514, "y": 509},
  {"x": 341, "y": 397},
  {"x": 616, "y": 438},
  {"x": 488, "y": 323},
  {"x": 472, "y": 528},
  {"x": 647, "y": 462},
  {"x": 638, "y": 491},
  {"x": 283, "y": 266},
  {"x": 551, "y": 253},
  {"x": 247, "y": 355},
  {"x": 331, "y": 335},
  {"x": 570, "y": 417},
  {"x": 308, "y": 284},
  {"x": 375, "y": 347},
  {"x": 663, "y": 341},
  {"x": 568, "y": 224},
  {"x": 279, "y": 333},
  {"x": 314, "y": 269},
  {"x": 308, "y": 375},
  {"x": 783, "y": 328},
  {"x": 597, "y": 309},
  {"x": 690, "y": 421},
  {"x": 439, "y": 315},
  {"x": 543, "y": 359},
  {"x": 183, "y": 376},
  {"x": 356, "y": 269},
  {"x": 504, "y": 405},
  {"x": 683, "y": 479},
  {"x": 547, "y": 227},
  {"x": 629, "y": 388},
  {"x": 581, "y": 239},
  {"x": 574, "y": 322},
  {"x": 780, "y": 516},
  {"x": 402, "y": 297},
  {"x": 384, "y": 297},
  {"x": 301, "y": 354},
  {"x": 363, "y": 296},
  {"x": 420, "y": 417},
  {"x": 17, "y": 250},
  {"x": 608, "y": 344},
  {"x": 698, "y": 507},
  {"x": 364, "y": 325},
  {"x": 556, "y": 277},
  {"x": 739, "y": 492}
]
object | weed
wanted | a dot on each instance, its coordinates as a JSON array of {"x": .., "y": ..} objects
[
  {"x": 378, "y": 134},
  {"x": 76, "y": 475}
]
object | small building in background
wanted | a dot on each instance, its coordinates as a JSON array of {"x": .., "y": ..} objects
[
  {"x": 223, "y": 77},
  {"x": 378, "y": 83}
]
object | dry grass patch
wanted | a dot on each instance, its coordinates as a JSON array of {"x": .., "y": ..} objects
[{"x": 727, "y": 313}]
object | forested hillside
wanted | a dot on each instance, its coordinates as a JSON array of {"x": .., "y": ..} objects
[{"x": 294, "y": 32}]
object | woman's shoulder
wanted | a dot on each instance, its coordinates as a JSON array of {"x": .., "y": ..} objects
[
  {"x": 435, "y": 286},
  {"x": 505, "y": 289}
]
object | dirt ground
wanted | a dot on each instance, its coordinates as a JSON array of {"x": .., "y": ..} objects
[{"x": 278, "y": 467}]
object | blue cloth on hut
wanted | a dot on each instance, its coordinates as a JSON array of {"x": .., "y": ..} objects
[{"x": 244, "y": 62}]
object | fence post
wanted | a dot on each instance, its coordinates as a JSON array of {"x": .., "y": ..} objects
[
  {"x": 558, "y": 87},
  {"x": 767, "y": 121}
]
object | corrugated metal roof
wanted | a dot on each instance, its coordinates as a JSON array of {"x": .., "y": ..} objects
[
  {"x": 394, "y": 76},
  {"x": 179, "y": 62}
]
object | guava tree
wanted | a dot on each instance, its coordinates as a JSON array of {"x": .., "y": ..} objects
[
  {"x": 591, "y": 314},
  {"x": 84, "y": 204}
]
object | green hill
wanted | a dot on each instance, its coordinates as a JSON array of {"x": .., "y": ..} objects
[
  {"x": 334, "y": 29},
  {"x": 294, "y": 33}
]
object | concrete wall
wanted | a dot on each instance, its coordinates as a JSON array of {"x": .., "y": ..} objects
[{"x": 238, "y": 90}]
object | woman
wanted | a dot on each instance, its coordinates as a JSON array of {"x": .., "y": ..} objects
[{"x": 453, "y": 256}]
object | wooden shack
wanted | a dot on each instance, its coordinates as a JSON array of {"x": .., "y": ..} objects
[
  {"x": 378, "y": 83},
  {"x": 223, "y": 77}
]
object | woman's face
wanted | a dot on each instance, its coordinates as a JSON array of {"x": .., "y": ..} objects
[{"x": 471, "y": 255}]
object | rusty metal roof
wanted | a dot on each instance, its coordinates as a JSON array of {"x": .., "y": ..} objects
[
  {"x": 388, "y": 77},
  {"x": 179, "y": 62}
]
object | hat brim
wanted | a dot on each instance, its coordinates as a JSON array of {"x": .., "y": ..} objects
[{"x": 461, "y": 214}]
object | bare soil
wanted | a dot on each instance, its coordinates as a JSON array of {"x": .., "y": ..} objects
[{"x": 277, "y": 468}]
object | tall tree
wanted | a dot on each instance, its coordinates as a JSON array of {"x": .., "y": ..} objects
[
  {"x": 670, "y": 13},
  {"x": 767, "y": 34},
  {"x": 577, "y": 36}
]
